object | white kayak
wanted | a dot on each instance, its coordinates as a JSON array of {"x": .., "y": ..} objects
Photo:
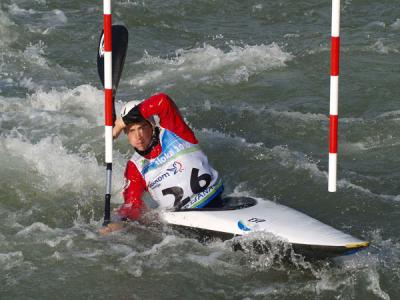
[{"x": 243, "y": 216}]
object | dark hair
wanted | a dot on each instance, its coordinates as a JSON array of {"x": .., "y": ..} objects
[{"x": 137, "y": 122}]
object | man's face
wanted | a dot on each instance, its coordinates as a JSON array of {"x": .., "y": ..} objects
[{"x": 139, "y": 135}]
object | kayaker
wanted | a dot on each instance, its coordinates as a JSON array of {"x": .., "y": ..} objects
[{"x": 167, "y": 162}]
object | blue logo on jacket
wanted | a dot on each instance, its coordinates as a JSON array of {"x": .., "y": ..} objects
[{"x": 176, "y": 167}]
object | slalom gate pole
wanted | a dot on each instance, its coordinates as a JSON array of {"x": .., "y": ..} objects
[
  {"x": 108, "y": 107},
  {"x": 334, "y": 96}
]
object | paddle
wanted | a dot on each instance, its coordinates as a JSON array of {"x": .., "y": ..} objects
[{"x": 119, "y": 48}]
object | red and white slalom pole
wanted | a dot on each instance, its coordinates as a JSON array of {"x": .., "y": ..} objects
[
  {"x": 108, "y": 107},
  {"x": 334, "y": 96}
]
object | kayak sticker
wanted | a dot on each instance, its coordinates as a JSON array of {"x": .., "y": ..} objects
[
  {"x": 250, "y": 224},
  {"x": 256, "y": 220},
  {"x": 242, "y": 226}
]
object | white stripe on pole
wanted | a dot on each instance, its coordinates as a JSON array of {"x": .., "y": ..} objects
[
  {"x": 332, "y": 172},
  {"x": 335, "y": 17},
  {"x": 334, "y": 95},
  {"x": 107, "y": 7}
]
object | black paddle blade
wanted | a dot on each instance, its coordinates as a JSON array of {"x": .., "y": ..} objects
[{"x": 119, "y": 49}]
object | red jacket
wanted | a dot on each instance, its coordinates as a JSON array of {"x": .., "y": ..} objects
[{"x": 170, "y": 118}]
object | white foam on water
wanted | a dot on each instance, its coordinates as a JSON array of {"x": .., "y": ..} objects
[
  {"x": 376, "y": 24},
  {"x": 298, "y": 161},
  {"x": 293, "y": 115},
  {"x": 234, "y": 138},
  {"x": 371, "y": 143},
  {"x": 374, "y": 284},
  {"x": 380, "y": 48},
  {"x": 274, "y": 249},
  {"x": 49, "y": 21},
  {"x": 276, "y": 290},
  {"x": 158, "y": 256},
  {"x": 321, "y": 48},
  {"x": 285, "y": 156},
  {"x": 57, "y": 256},
  {"x": 11, "y": 104},
  {"x": 35, "y": 228},
  {"x": 128, "y": 3},
  {"x": 29, "y": 84},
  {"x": 60, "y": 16},
  {"x": 122, "y": 249},
  {"x": 59, "y": 239},
  {"x": 395, "y": 25},
  {"x": 344, "y": 183},
  {"x": 212, "y": 261},
  {"x": 85, "y": 100},
  {"x": 54, "y": 18},
  {"x": 14, "y": 268},
  {"x": 58, "y": 168},
  {"x": 364, "y": 266},
  {"x": 257, "y": 7},
  {"x": 343, "y": 275},
  {"x": 7, "y": 34},
  {"x": 298, "y": 115},
  {"x": 291, "y": 35},
  {"x": 211, "y": 64},
  {"x": 389, "y": 114},
  {"x": 90, "y": 254},
  {"x": 354, "y": 147},
  {"x": 2, "y": 238},
  {"x": 132, "y": 264},
  {"x": 167, "y": 241},
  {"x": 43, "y": 234},
  {"x": 33, "y": 54},
  {"x": 11, "y": 260},
  {"x": 14, "y": 9},
  {"x": 16, "y": 66}
]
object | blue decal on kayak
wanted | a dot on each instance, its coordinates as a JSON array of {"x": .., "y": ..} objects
[{"x": 243, "y": 227}]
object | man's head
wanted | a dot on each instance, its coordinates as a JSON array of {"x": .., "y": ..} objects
[
  {"x": 139, "y": 134},
  {"x": 138, "y": 129}
]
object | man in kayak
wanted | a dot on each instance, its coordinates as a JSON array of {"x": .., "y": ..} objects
[{"x": 167, "y": 162}]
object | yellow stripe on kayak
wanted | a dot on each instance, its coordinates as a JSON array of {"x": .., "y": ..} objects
[{"x": 357, "y": 245}]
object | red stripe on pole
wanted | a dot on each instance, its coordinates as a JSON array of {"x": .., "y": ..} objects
[
  {"x": 108, "y": 107},
  {"x": 333, "y": 134},
  {"x": 107, "y": 33},
  {"x": 335, "y": 46}
]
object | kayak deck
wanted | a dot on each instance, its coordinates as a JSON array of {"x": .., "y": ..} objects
[{"x": 241, "y": 216}]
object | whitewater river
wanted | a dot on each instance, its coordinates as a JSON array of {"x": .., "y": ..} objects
[{"x": 252, "y": 79}]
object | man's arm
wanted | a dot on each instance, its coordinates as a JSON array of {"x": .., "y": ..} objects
[
  {"x": 170, "y": 118},
  {"x": 133, "y": 206},
  {"x": 133, "y": 191}
]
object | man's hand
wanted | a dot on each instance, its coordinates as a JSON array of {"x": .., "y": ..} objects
[
  {"x": 119, "y": 125},
  {"x": 111, "y": 228}
]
